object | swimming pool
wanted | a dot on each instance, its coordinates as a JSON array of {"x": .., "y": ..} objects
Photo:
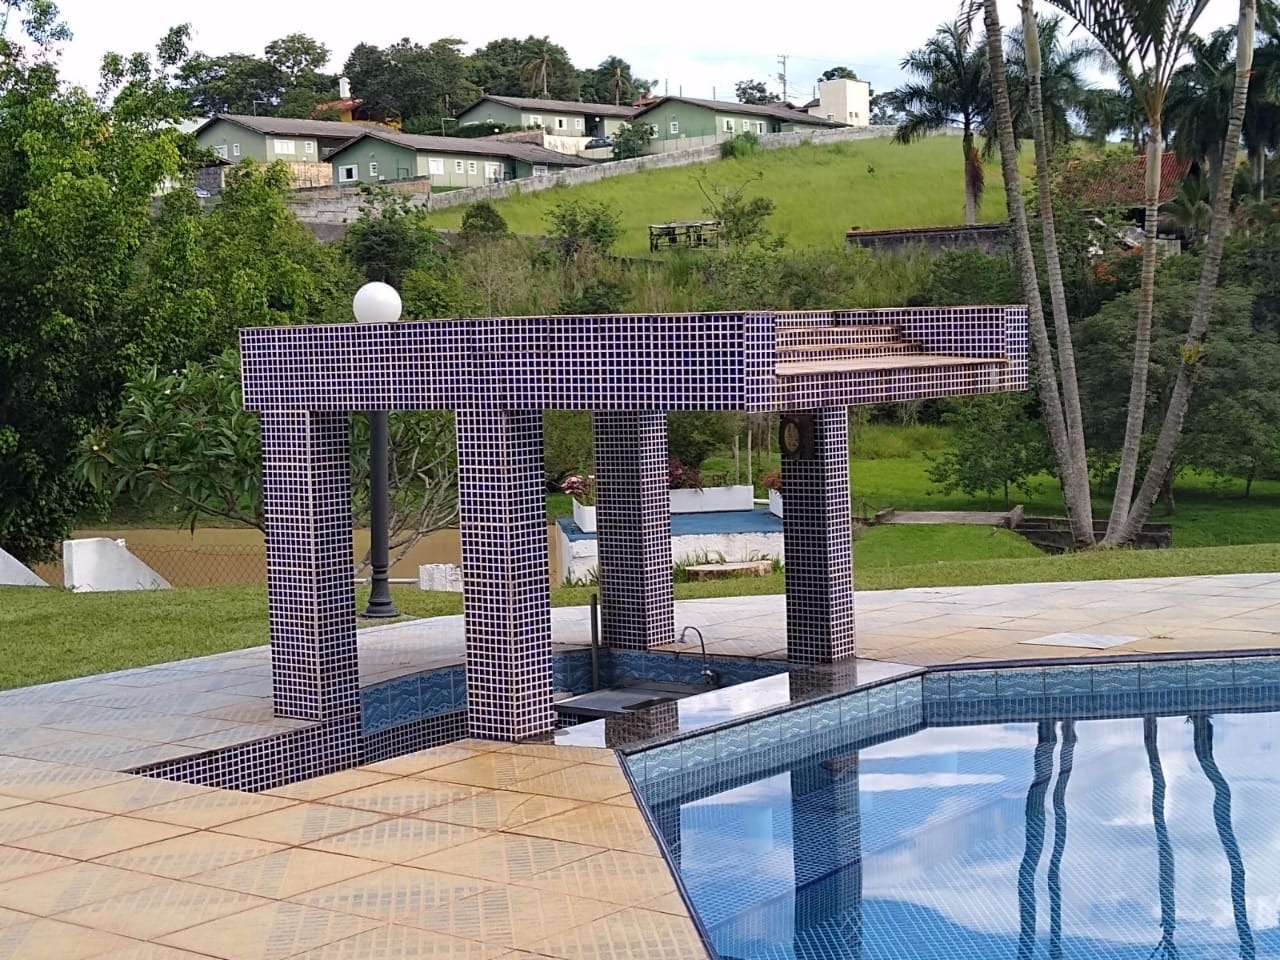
[{"x": 1108, "y": 812}]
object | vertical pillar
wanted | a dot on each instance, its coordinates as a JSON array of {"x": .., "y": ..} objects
[
  {"x": 633, "y": 529},
  {"x": 505, "y": 577},
  {"x": 816, "y": 532},
  {"x": 306, "y": 503}
]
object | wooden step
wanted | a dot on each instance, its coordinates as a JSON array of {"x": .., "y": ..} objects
[
  {"x": 838, "y": 333},
  {"x": 851, "y": 349},
  {"x": 912, "y": 361}
]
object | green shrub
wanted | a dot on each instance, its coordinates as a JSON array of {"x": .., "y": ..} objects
[{"x": 742, "y": 145}]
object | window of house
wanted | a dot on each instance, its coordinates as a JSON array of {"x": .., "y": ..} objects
[
  {"x": 373, "y": 168},
  {"x": 759, "y": 126},
  {"x": 746, "y": 126},
  {"x": 457, "y": 166},
  {"x": 562, "y": 123},
  {"x": 471, "y": 167},
  {"x": 577, "y": 123},
  {"x": 309, "y": 147},
  {"x": 435, "y": 167},
  {"x": 285, "y": 147},
  {"x": 348, "y": 173},
  {"x": 728, "y": 125},
  {"x": 539, "y": 169},
  {"x": 535, "y": 121},
  {"x": 235, "y": 149},
  {"x": 675, "y": 126},
  {"x": 221, "y": 150},
  {"x": 492, "y": 171}
]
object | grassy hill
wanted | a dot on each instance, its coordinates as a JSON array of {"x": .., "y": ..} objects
[{"x": 819, "y": 191}]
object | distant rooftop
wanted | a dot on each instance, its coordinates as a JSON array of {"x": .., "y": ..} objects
[
  {"x": 527, "y": 152},
  {"x": 775, "y": 111},
  {"x": 1101, "y": 184},
  {"x": 561, "y": 106}
]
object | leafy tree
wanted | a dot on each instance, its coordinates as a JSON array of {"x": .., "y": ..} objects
[
  {"x": 297, "y": 55},
  {"x": 632, "y": 138},
  {"x": 883, "y": 111},
  {"x": 390, "y": 237},
  {"x": 838, "y": 73},
  {"x": 613, "y": 82},
  {"x": 951, "y": 86},
  {"x": 419, "y": 84},
  {"x": 996, "y": 445},
  {"x": 509, "y": 67},
  {"x": 577, "y": 225},
  {"x": 692, "y": 437},
  {"x": 482, "y": 222},
  {"x": 742, "y": 220},
  {"x": 231, "y": 83},
  {"x": 755, "y": 92}
]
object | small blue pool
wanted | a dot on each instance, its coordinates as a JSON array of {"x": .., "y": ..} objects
[{"x": 1110, "y": 812}]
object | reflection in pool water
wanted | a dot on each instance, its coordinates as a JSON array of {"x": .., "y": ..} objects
[{"x": 1114, "y": 839}]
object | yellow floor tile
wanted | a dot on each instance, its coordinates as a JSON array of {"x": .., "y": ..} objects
[
  {"x": 32, "y": 819},
  {"x": 328, "y": 785},
  {"x": 133, "y": 794},
  {"x": 397, "y": 840},
  {"x": 151, "y": 951},
  {"x": 494, "y": 769},
  {"x": 668, "y": 903},
  {"x": 16, "y": 863},
  {"x": 190, "y": 854},
  {"x": 38, "y": 938},
  {"x": 38, "y": 780},
  {"x": 551, "y": 751},
  {"x": 424, "y": 760},
  {"x": 498, "y": 809},
  {"x": 270, "y": 932},
  {"x": 286, "y": 873},
  {"x": 97, "y": 838},
  {"x": 66, "y": 888},
  {"x": 626, "y": 879},
  {"x": 214, "y": 808},
  {"x": 627, "y": 800},
  {"x": 585, "y": 782},
  {"x": 395, "y": 940},
  {"x": 506, "y": 857},
  {"x": 7, "y": 802},
  {"x": 600, "y": 825},
  {"x": 634, "y": 934},
  {"x": 301, "y": 823},
  {"x": 163, "y": 908},
  {"x": 393, "y": 894},
  {"x": 513, "y": 916},
  {"x": 402, "y": 796}
]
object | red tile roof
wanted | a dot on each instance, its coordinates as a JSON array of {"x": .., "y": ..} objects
[{"x": 1099, "y": 183}]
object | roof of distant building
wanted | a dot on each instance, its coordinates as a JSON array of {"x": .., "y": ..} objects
[
  {"x": 527, "y": 152},
  {"x": 1101, "y": 184},
  {"x": 561, "y": 106},
  {"x": 774, "y": 111},
  {"x": 347, "y": 103},
  {"x": 284, "y": 126}
]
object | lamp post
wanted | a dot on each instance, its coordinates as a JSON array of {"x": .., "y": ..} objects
[{"x": 378, "y": 303}]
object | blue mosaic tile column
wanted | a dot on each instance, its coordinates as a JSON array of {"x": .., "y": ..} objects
[
  {"x": 816, "y": 532},
  {"x": 633, "y": 529},
  {"x": 826, "y": 825},
  {"x": 306, "y": 491},
  {"x": 506, "y": 583}
]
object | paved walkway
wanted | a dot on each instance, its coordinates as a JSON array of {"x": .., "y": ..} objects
[{"x": 466, "y": 851}]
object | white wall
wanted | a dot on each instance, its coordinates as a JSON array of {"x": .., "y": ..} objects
[
  {"x": 844, "y": 101},
  {"x": 99, "y": 564},
  {"x": 580, "y": 559},
  {"x": 14, "y": 573}
]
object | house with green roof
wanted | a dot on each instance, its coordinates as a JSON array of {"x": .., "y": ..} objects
[
  {"x": 685, "y": 121},
  {"x": 376, "y": 156},
  {"x": 564, "y": 118}
]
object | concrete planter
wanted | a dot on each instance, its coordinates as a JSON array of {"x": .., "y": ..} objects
[
  {"x": 584, "y": 517},
  {"x": 775, "y": 503},
  {"x": 713, "y": 499}
]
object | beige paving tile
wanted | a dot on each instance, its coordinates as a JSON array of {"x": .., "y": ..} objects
[
  {"x": 600, "y": 825},
  {"x": 584, "y": 782},
  {"x": 151, "y": 951},
  {"x": 132, "y": 794},
  {"x": 397, "y": 940},
  {"x": 213, "y": 809},
  {"x": 668, "y": 903},
  {"x": 551, "y": 751},
  {"x": 635, "y": 934},
  {"x": 506, "y": 857},
  {"x": 97, "y": 838},
  {"x": 393, "y": 894},
  {"x": 7, "y": 802},
  {"x": 270, "y": 932},
  {"x": 190, "y": 854},
  {"x": 498, "y": 809},
  {"x": 286, "y": 873},
  {"x": 402, "y": 796},
  {"x": 623, "y": 878},
  {"x": 162, "y": 908},
  {"x": 40, "y": 780},
  {"x": 300, "y": 823},
  {"x": 627, "y": 800},
  {"x": 31, "y": 819},
  {"x": 424, "y": 760},
  {"x": 328, "y": 785},
  {"x": 68, "y": 887},
  {"x": 38, "y": 939},
  {"x": 513, "y": 916},
  {"x": 494, "y": 769},
  {"x": 398, "y": 840},
  {"x": 15, "y": 863}
]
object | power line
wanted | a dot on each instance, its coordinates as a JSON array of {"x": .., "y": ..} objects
[{"x": 782, "y": 59}]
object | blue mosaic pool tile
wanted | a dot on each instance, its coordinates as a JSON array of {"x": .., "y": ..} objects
[
  {"x": 1020, "y": 683},
  {"x": 824, "y": 716},
  {"x": 794, "y": 724},
  {"x": 697, "y": 752},
  {"x": 881, "y": 698},
  {"x": 973, "y": 684},
  {"x": 404, "y": 704},
  {"x": 937, "y": 686},
  {"x": 437, "y": 693},
  {"x": 732, "y": 742},
  {"x": 1162, "y": 676},
  {"x": 1253, "y": 671},
  {"x": 1118, "y": 678},
  {"x": 662, "y": 762},
  {"x": 375, "y": 709},
  {"x": 854, "y": 707},
  {"x": 1211, "y": 673},
  {"x": 765, "y": 733},
  {"x": 1068, "y": 680},
  {"x": 910, "y": 693}
]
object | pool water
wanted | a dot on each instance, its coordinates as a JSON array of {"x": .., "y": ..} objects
[{"x": 1130, "y": 838}]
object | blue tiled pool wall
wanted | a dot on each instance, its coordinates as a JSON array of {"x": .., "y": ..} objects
[{"x": 436, "y": 693}]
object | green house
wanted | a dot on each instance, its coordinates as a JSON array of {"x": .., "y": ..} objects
[
  {"x": 704, "y": 121},
  {"x": 382, "y": 155},
  {"x": 234, "y": 137},
  {"x": 563, "y": 118}
]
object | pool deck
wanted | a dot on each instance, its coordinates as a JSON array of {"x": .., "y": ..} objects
[{"x": 470, "y": 850}]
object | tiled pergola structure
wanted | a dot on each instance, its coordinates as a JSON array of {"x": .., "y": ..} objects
[{"x": 499, "y": 375}]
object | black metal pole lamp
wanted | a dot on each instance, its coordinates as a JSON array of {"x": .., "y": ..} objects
[{"x": 378, "y": 303}]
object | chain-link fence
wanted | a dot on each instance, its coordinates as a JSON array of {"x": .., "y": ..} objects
[{"x": 190, "y": 565}]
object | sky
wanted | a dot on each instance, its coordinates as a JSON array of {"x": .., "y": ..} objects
[{"x": 696, "y": 48}]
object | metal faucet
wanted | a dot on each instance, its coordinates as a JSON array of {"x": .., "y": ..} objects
[{"x": 708, "y": 676}]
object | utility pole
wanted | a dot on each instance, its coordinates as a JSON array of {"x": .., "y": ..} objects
[{"x": 782, "y": 60}]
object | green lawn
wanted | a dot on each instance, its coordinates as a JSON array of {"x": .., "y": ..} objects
[
  {"x": 50, "y": 634},
  {"x": 819, "y": 192}
]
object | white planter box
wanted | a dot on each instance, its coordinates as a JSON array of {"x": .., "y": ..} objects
[
  {"x": 584, "y": 517},
  {"x": 775, "y": 503},
  {"x": 713, "y": 499}
]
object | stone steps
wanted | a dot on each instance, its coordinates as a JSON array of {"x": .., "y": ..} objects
[
  {"x": 900, "y": 361},
  {"x": 831, "y": 335}
]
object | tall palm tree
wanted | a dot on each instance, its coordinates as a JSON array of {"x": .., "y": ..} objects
[
  {"x": 1104, "y": 111},
  {"x": 1262, "y": 111},
  {"x": 1164, "y": 849},
  {"x": 1066, "y": 760},
  {"x": 1033, "y": 849},
  {"x": 536, "y": 73},
  {"x": 950, "y": 87},
  {"x": 1199, "y": 104},
  {"x": 1063, "y": 88}
]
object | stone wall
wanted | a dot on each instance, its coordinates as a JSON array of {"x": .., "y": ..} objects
[{"x": 990, "y": 238}]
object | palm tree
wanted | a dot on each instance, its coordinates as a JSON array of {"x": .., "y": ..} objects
[
  {"x": 1103, "y": 111},
  {"x": 1199, "y": 104},
  {"x": 1191, "y": 207},
  {"x": 536, "y": 73},
  {"x": 1066, "y": 759},
  {"x": 1033, "y": 848},
  {"x": 950, "y": 88},
  {"x": 1262, "y": 111},
  {"x": 1164, "y": 849},
  {"x": 1064, "y": 90}
]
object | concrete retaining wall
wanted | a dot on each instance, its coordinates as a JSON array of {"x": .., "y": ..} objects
[
  {"x": 100, "y": 564},
  {"x": 15, "y": 573}
]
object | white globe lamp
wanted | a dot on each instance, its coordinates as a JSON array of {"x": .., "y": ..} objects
[{"x": 376, "y": 303}]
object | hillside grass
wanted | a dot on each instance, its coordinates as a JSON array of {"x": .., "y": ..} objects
[{"x": 819, "y": 192}]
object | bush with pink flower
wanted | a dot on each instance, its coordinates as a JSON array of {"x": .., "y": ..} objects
[{"x": 581, "y": 488}]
